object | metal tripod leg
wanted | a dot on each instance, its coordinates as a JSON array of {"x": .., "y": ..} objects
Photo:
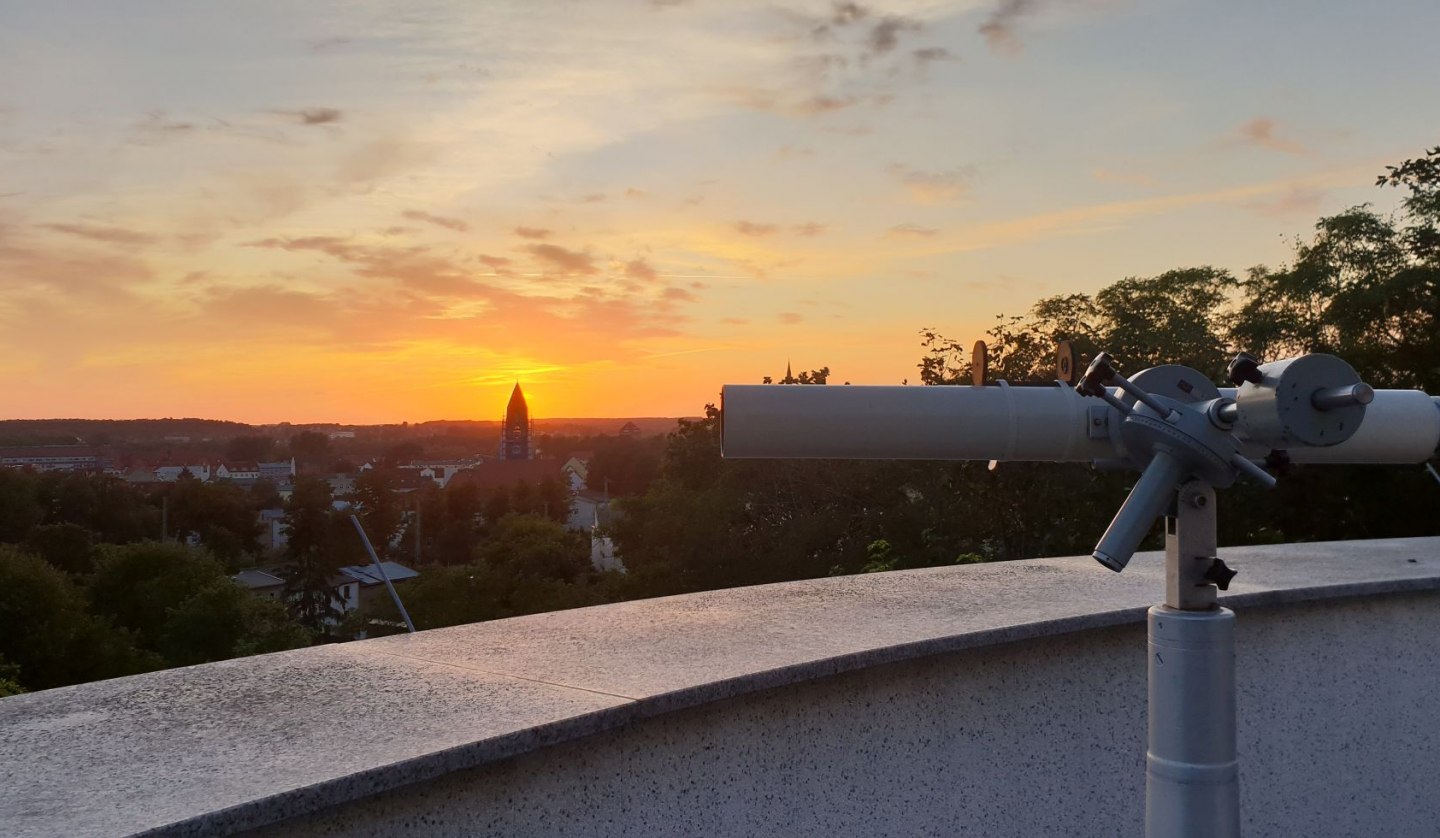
[{"x": 1191, "y": 779}]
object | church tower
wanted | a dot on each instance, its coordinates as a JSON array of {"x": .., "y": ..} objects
[{"x": 515, "y": 434}]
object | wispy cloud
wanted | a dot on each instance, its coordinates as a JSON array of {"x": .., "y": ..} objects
[
  {"x": 438, "y": 220},
  {"x": 532, "y": 232},
  {"x": 316, "y": 116},
  {"x": 934, "y": 187},
  {"x": 789, "y": 318},
  {"x": 755, "y": 228},
  {"x": 640, "y": 269},
  {"x": 1262, "y": 132},
  {"x": 108, "y": 235},
  {"x": 908, "y": 230},
  {"x": 567, "y": 261},
  {"x": 1000, "y": 25}
]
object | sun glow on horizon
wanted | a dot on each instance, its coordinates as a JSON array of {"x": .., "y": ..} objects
[{"x": 335, "y": 212}]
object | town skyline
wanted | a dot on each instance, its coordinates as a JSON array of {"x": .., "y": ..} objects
[{"x": 349, "y": 213}]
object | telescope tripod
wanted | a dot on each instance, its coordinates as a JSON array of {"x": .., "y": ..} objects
[{"x": 1192, "y": 783}]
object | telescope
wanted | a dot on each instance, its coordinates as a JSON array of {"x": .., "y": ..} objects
[{"x": 1186, "y": 437}]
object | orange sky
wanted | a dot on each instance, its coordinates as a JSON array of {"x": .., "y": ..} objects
[{"x": 348, "y": 212}]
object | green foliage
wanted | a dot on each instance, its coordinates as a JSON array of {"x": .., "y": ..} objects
[
  {"x": 49, "y": 635},
  {"x": 526, "y": 565},
  {"x": 220, "y": 513},
  {"x": 9, "y": 679},
  {"x": 223, "y": 620},
  {"x": 314, "y": 553},
  {"x": 250, "y": 448},
  {"x": 378, "y": 507},
  {"x": 180, "y": 604},
  {"x": 529, "y": 546},
  {"x": 626, "y": 465},
  {"x": 70, "y": 547},
  {"x": 311, "y": 450}
]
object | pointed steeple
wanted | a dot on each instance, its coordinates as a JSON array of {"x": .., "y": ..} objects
[
  {"x": 515, "y": 435},
  {"x": 789, "y": 376}
]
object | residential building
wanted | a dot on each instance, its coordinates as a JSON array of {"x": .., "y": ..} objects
[{"x": 51, "y": 458}]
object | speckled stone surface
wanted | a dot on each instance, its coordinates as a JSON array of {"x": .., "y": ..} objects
[
  {"x": 1043, "y": 737},
  {"x": 236, "y": 745}
]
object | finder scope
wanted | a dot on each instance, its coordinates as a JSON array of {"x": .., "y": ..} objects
[{"x": 1171, "y": 423}]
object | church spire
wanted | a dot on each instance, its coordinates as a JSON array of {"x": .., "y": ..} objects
[
  {"x": 515, "y": 434},
  {"x": 789, "y": 376}
]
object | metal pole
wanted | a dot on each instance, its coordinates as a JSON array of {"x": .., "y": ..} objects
[
  {"x": 365, "y": 539},
  {"x": 1192, "y": 785}
]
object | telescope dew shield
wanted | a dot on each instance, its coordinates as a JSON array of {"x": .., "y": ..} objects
[{"x": 1046, "y": 424}]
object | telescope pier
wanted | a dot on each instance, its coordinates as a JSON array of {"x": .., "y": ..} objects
[{"x": 1192, "y": 783}]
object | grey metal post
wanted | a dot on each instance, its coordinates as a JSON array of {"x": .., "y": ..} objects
[
  {"x": 1192, "y": 785},
  {"x": 365, "y": 539}
]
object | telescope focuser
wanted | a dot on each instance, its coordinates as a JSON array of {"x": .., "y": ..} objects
[{"x": 1176, "y": 426}]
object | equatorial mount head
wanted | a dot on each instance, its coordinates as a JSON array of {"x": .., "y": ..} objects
[{"x": 1177, "y": 426}]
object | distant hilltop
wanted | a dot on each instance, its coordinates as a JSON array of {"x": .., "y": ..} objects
[{"x": 102, "y": 431}]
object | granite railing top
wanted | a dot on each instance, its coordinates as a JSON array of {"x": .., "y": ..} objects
[{"x": 238, "y": 744}]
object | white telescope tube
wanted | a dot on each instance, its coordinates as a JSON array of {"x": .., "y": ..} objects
[
  {"x": 1039, "y": 424},
  {"x": 911, "y": 423},
  {"x": 1400, "y": 426}
]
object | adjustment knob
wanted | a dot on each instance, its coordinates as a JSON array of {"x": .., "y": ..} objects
[
  {"x": 1220, "y": 574},
  {"x": 1245, "y": 367},
  {"x": 1100, "y": 372}
]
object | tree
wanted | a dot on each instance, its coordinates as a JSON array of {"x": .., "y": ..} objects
[
  {"x": 138, "y": 585},
  {"x": 312, "y": 556},
  {"x": 48, "y": 634},
  {"x": 180, "y": 604},
  {"x": 250, "y": 448},
  {"x": 310, "y": 449},
  {"x": 525, "y": 545},
  {"x": 69, "y": 547},
  {"x": 378, "y": 508},
  {"x": 9, "y": 679}
]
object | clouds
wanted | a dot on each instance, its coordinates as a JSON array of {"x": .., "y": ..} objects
[
  {"x": 532, "y": 232},
  {"x": 760, "y": 230},
  {"x": 1261, "y": 132},
  {"x": 107, "y": 235},
  {"x": 563, "y": 260},
  {"x": 439, "y": 221},
  {"x": 316, "y": 116},
  {"x": 945, "y": 186},
  {"x": 999, "y": 26},
  {"x": 913, "y": 231}
]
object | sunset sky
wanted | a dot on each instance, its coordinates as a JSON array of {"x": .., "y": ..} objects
[{"x": 372, "y": 212}]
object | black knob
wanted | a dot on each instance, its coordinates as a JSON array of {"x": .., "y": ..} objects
[
  {"x": 1245, "y": 367},
  {"x": 1220, "y": 574},
  {"x": 1096, "y": 376}
]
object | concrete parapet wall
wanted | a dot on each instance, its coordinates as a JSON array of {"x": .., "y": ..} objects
[
  {"x": 1001, "y": 699},
  {"x": 1338, "y": 736}
]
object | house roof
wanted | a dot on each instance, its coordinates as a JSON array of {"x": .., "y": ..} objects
[
  {"x": 367, "y": 575},
  {"x": 258, "y": 579}
]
